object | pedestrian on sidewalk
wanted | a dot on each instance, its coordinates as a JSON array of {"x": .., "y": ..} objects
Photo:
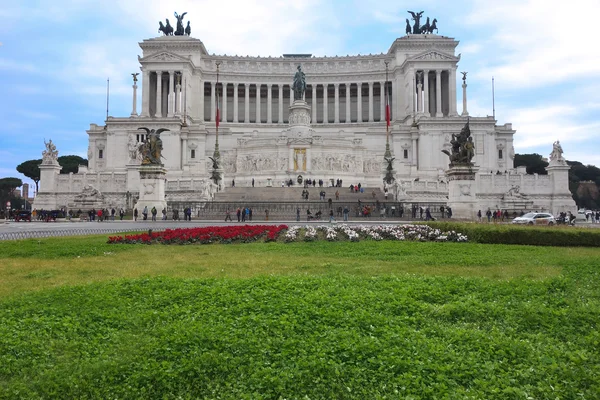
[{"x": 228, "y": 215}]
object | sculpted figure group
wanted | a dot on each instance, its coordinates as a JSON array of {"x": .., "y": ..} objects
[
  {"x": 463, "y": 148},
  {"x": 152, "y": 147},
  {"x": 167, "y": 29},
  {"x": 50, "y": 155},
  {"x": 417, "y": 28}
]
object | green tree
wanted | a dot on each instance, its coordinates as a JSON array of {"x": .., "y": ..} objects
[
  {"x": 7, "y": 189},
  {"x": 71, "y": 163},
  {"x": 534, "y": 162},
  {"x": 31, "y": 169}
]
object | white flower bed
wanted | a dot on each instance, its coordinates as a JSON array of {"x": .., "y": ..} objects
[
  {"x": 292, "y": 234},
  {"x": 410, "y": 232}
]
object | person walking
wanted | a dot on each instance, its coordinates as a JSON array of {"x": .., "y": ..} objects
[
  {"x": 164, "y": 214},
  {"x": 239, "y": 214},
  {"x": 145, "y": 213},
  {"x": 331, "y": 217},
  {"x": 346, "y": 212},
  {"x": 227, "y": 215},
  {"x": 252, "y": 182},
  {"x": 298, "y": 214},
  {"x": 479, "y": 215},
  {"x": 266, "y": 215},
  {"x": 154, "y": 211},
  {"x": 112, "y": 214},
  {"x": 135, "y": 214},
  {"x": 121, "y": 214}
]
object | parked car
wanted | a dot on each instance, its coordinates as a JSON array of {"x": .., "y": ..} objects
[
  {"x": 534, "y": 218},
  {"x": 23, "y": 215}
]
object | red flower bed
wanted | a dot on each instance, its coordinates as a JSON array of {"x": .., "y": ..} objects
[{"x": 209, "y": 234}]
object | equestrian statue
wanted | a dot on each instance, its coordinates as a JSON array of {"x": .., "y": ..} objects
[{"x": 299, "y": 85}]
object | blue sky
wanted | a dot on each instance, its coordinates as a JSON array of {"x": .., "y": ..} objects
[{"x": 56, "y": 55}]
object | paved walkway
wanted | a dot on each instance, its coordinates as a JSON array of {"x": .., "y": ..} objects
[{"x": 23, "y": 230}]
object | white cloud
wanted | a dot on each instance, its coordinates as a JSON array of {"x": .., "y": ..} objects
[
  {"x": 545, "y": 124},
  {"x": 537, "y": 42}
]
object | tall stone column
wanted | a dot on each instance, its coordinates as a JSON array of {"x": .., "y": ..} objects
[
  {"x": 325, "y": 104},
  {"x": 348, "y": 109},
  {"x": 382, "y": 101},
  {"x": 269, "y": 103},
  {"x": 258, "y": 118},
  {"x": 134, "y": 109},
  {"x": 235, "y": 102},
  {"x": 370, "y": 101},
  {"x": 213, "y": 99},
  {"x": 359, "y": 118},
  {"x": 438, "y": 93},
  {"x": 452, "y": 92},
  {"x": 419, "y": 94},
  {"x": 171, "y": 96},
  {"x": 464, "y": 110},
  {"x": 201, "y": 101},
  {"x": 426, "y": 92},
  {"x": 247, "y": 103},
  {"x": 158, "y": 94},
  {"x": 178, "y": 101},
  {"x": 145, "y": 93},
  {"x": 314, "y": 103},
  {"x": 224, "y": 107},
  {"x": 337, "y": 103},
  {"x": 280, "y": 105},
  {"x": 413, "y": 92}
]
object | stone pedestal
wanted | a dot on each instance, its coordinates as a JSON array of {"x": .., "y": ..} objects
[
  {"x": 562, "y": 199},
  {"x": 299, "y": 113},
  {"x": 462, "y": 196},
  {"x": 46, "y": 196},
  {"x": 152, "y": 189}
]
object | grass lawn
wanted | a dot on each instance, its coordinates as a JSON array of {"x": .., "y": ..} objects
[{"x": 370, "y": 320}]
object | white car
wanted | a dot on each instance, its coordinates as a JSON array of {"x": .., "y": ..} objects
[{"x": 534, "y": 218}]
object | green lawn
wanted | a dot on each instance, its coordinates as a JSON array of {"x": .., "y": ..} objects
[{"x": 367, "y": 320}]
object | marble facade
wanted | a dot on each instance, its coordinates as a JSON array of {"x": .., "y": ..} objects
[{"x": 341, "y": 134}]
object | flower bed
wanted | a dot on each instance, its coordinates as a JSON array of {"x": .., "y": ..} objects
[
  {"x": 209, "y": 234},
  {"x": 250, "y": 233}
]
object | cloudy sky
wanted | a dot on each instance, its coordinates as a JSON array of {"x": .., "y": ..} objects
[{"x": 56, "y": 56}]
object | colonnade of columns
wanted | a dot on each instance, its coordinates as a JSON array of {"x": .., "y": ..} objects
[
  {"x": 434, "y": 92},
  {"x": 264, "y": 103},
  {"x": 162, "y": 94}
]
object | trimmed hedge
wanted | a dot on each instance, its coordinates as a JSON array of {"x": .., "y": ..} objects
[{"x": 526, "y": 235}]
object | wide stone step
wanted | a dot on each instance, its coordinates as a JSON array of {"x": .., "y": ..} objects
[{"x": 295, "y": 194}]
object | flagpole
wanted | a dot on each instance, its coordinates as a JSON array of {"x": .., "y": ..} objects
[
  {"x": 493, "y": 100},
  {"x": 388, "y": 153},
  {"x": 107, "y": 95},
  {"x": 218, "y": 116}
]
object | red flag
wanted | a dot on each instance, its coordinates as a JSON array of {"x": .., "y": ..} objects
[
  {"x": 387, "y": 114},
  {"x": 218, "y": 117}
]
